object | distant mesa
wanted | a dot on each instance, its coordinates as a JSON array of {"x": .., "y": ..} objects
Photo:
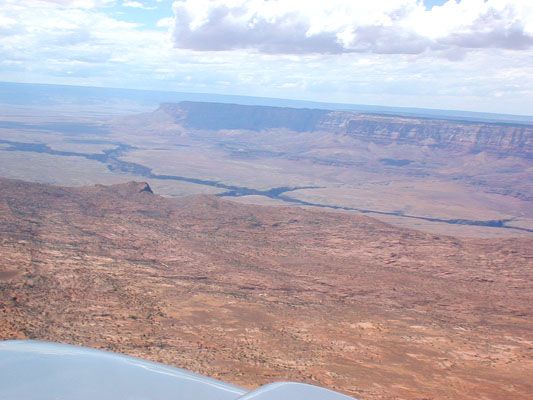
[
  {"x": 497, "y": 138},
  {"x": 217, "y": 116}
]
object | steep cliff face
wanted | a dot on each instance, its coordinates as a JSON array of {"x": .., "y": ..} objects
[
  {"x": 497, "y": 138},
  {"x": 217, "y": 116}
]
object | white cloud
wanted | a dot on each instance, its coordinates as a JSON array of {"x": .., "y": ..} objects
[
  {"x": 345, "y": 26},
  {"x": 84, "y": 4},
  {"x": 292, "y": 49},
  {"x": 165, "y": 22},
  {"x": 136, "y": 4},
  {"x": 53, "y": 40}
]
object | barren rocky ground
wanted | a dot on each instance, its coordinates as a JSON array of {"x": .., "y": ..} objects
[{"x": 252, "y": 294}]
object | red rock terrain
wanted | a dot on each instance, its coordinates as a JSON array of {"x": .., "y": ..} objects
[{"x": 252, "y": 294}]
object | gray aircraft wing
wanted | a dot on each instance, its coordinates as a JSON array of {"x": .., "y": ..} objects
[{"x": 52, "y": 371}]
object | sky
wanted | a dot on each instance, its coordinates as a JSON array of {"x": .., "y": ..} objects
[{"x": 474, "y": 55}]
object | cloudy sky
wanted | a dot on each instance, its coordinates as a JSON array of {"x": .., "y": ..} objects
[{"x": 468, "y": 55}]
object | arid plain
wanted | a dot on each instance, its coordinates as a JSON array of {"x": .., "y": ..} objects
[{"x": 274, "y": 269}]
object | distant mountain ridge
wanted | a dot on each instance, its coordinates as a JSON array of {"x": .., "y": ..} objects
[{"x": 499, "y": 138}]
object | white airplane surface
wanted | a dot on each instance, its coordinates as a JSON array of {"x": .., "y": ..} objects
[{"x": 52, "y": 371}]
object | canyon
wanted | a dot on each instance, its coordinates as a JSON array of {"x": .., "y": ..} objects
[{"x": 439, "y": 175}]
